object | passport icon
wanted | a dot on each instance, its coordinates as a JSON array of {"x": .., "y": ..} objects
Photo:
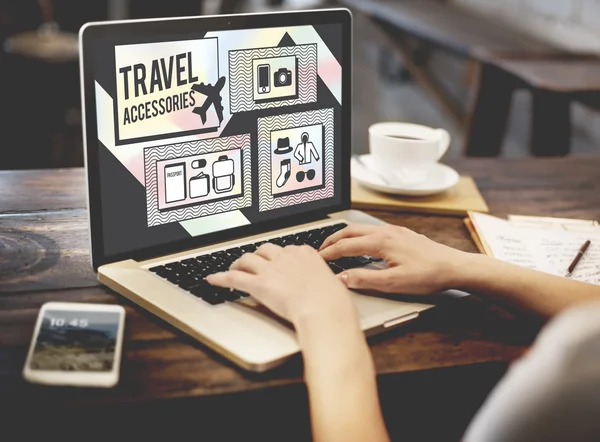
[{"x": 174, "y": 182}]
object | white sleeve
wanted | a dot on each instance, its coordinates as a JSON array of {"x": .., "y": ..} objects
[{"x": 552, "y": 393}]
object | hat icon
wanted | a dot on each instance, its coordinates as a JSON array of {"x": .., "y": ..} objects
[{"x": 283, "y": 146}]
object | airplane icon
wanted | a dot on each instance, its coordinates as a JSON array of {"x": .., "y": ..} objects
[{"x": 213, "y": 96}]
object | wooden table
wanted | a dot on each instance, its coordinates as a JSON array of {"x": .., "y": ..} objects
[{"x": 438, "y": 368}]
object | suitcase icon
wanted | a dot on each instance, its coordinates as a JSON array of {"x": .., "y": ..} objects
[
  {"x": 199, "y": 185},
  {"x": 223, "y": 177}
]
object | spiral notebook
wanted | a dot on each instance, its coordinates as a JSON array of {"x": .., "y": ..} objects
[{"x": 540, "y": 243}]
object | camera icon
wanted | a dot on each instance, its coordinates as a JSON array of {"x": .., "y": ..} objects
[{"x": 282, "y": 77}]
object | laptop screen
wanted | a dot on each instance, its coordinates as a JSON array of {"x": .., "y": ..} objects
[{"x": 203, "y": 131}]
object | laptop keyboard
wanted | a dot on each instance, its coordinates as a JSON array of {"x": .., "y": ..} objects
[{"x": 189, "y": 273}]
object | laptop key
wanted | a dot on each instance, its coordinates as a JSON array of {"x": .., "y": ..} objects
[
  {"x": 160, "y": 271},
  {"x": 229, "y": 295},
  {"x": 173, "y": 278},
  {"x": 207, "y": 293},
  {"x": 288, "y": 240},
  {"x": 175, "y": 266},
  {"x": 335, "y": 268},
  {"x": 363, "y": 260},
  {"x": 195, "y": 266},
  {"x": 351, "y": 262},
  {"x": 221, "y": 292},
  {"x": 301, "y": 238},
  {"x": 234, "y": 253},
  {"x": 213, "y": 299},
  {"x": 346, "y": 263},
  {"x": 188, "y": 283},
  {"x": 276, "y": 241},
  {"x": 200, "y": 289},
  {"x": 315, "y": 244}
]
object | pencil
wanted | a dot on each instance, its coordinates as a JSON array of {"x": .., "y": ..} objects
[{"x": 580, "y": 254}]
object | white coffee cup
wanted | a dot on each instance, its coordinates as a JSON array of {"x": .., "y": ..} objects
[{"x": 404, "y": 153}]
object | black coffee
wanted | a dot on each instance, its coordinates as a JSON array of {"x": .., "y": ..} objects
[{"x": 405, "y": 137}]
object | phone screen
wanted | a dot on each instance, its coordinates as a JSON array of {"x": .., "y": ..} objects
[
  {"x": 263, "y": 76},
  {"x": 76, "y": 340}
]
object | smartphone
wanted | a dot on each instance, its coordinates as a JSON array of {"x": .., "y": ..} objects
[
  {"x": 264, "y": 86},
  {"x": 76, "y": 344}
]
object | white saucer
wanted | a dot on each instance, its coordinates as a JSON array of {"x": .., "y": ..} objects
[{"x": 439, "y": 179}]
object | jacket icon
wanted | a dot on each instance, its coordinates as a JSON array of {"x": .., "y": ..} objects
[{"x": 306, "y": 151}]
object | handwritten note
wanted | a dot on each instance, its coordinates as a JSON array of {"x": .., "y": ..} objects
[
  {"x": 560, "y": 253},
  {"x": 549, "y": 250},
  {"x": 504, "y": 241}
]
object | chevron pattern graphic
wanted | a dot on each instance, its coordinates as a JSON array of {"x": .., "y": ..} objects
[
  {"x": 153, "y": 154},
  {"x": 241, "y": 96},
  {"x": 277, "y": 122}
]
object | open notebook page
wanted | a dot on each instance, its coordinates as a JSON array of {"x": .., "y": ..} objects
[
  {"x": 560, "y": 249},
  {"x": 504, "y": 241},
  {"x": 547, "y": 250}
]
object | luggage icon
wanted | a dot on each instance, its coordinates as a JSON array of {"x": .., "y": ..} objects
[
  {"x": 199, "y": 185},
  {"x": 223, "y": 177}
]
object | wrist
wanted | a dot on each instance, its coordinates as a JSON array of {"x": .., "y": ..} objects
[
  {"x": 325, "y": 320},
  {"x": 328, "y": 332},
  {"x": 334, "y": 353},
  {"x": 468, "y": 270},
  {"x": 336, "y": 306}
]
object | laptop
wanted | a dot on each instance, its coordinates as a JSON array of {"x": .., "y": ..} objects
[{"x": 206, "y": 137}]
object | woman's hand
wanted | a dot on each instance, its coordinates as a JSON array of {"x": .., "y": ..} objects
[
  {"x": 417, "y": 265},
  {"x": 294, "y": 282},
  {"x": 297, "y": 284}
]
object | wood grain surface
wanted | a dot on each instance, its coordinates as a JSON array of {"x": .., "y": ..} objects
[
  {"x": 44, "y": 257},
  {"x": 42, "y": 190}
]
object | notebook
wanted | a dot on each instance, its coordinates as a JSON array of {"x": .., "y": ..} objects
[
  {"x": 540, "y": 243},
  {"x": 457, "y": 201}
]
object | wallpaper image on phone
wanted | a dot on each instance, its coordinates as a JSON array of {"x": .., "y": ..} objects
[{"x": 76, "y": 341}]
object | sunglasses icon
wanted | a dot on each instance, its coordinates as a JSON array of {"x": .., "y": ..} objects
[{"x": 309, "y": 175}]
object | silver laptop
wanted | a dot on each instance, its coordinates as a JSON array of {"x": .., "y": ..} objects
[{"x": 204, "y": 138}]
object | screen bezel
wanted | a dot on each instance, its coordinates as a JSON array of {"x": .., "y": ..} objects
[
  {"x": 92, "y": 31},
  {"x": 76, "y": 378}
]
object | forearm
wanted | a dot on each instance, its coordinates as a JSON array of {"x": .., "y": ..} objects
[
  {"x": 530, "y": 290},
  {"x": 341, "y": 383}
]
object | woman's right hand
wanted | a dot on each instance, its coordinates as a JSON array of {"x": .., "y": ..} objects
[{"x": 417, "y": 265}]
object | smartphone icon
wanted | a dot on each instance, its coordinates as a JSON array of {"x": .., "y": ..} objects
[{"x": 264, "y": 72}]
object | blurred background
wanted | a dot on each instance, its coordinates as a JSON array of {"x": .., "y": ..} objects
[{"x": 425, "y": 63}]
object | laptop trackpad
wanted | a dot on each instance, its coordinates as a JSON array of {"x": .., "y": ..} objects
[{"x": 372, "y": 311}]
